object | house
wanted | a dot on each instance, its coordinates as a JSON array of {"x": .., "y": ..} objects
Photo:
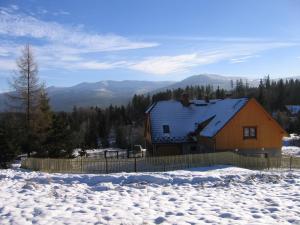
[{"x": 183, "y": 127}]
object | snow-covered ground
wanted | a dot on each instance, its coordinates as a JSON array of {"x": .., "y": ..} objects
[
  {"x": 291, "y": 145},
  {"x": 291, "y": 140},
  {"x": 291, "y": 151},
  {"x": 111, "y": 152},
  {"x": 292, "y": 137},
  {"x": 216, "y": 195}
]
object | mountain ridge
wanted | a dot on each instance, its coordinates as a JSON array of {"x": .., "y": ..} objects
[{"x": 107, "y": 92}]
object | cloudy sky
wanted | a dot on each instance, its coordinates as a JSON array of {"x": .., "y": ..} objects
[{"x": 76, "y": 41}]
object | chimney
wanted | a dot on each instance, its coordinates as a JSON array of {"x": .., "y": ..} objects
[{"x": 185, "y": 99}]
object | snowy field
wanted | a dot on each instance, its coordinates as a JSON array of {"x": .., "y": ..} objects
[
  {"x": 290, "y": 138},
  {"x": 291, "y": 151},
  {"x": 291, "y": 145},
  {"x": 111, "y": 152},
  {"x": 219, "y": 195}
]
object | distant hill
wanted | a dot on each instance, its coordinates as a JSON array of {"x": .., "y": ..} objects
[
  {"x": 100, "y": 94},
  {"x": 215, "y": 80},
  {"x": 205, "y": 79},
  {"x": 104, "y": 93}
]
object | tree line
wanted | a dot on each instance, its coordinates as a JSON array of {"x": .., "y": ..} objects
[{"x": 31, "y": 127}]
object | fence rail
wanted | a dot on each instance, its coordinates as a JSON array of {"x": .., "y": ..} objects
[{"x": 152, "y": 164}]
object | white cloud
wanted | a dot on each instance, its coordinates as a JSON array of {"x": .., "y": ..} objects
[
  {"x": 70, "y": 58},
  {"x": 165, "y": 64},
  {"x": 235, "y": 53},
  {"x": 42, "y": 11},
  {"x": 10, "y": 8},
  {"x": 4, "y": 52},
  {"x": 7, "y": 64},
  {"x": 243, "y": 58},
  {"x": 60, "y": 46},
  {"x": 21, "y": 25},
  {"x": 61, "y": 12},
  {"x": 14, "y": 7},
  {"x": 93, "y": 65},
  {"x": 66, "y": 47},
  {"x": 64, "y": 57}
]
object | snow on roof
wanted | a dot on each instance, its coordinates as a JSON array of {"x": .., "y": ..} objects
[
  {"x": 182, "y": 120},
  {"x": 294, "y": 109}
]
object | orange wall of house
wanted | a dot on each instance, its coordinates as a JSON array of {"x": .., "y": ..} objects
[{"x": 269, "y": 134}]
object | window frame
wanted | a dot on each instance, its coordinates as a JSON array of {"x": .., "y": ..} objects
[
  {"x": 249, "y": 132},
  {"x": 166, "y": 126}
]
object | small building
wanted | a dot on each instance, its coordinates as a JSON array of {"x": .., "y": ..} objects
[{"x": 199, "y": 126}]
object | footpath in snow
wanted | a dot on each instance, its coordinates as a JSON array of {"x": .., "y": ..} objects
[{"x": 219, "y": 195}]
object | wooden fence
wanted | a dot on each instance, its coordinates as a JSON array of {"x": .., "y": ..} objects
[{"x": 152, "y": 164}]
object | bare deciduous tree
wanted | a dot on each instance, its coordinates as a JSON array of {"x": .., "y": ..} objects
[{"x": 26, "y": 91}]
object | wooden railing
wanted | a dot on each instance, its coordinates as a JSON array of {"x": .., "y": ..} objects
[{"x": 152, "y": 164}]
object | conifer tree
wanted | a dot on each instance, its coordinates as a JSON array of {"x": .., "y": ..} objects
[
  {"x": 218, "y": 93},
  {"x": 60, "y": 142},
  {"x": 42, "y": 122},
  {"x": 261, "y": 97},
  {"x": 9, "y": 147}
]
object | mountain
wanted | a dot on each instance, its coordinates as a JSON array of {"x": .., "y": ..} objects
[
  {"x": 206, "y": 79},
  {"x": 102, "y": 93}
]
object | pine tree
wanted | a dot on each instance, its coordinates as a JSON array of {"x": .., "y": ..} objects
[
  {"x": 91, "y": 137},
  {"x": 280, "y": 95},
  {"x": 267, "y": 82},
  {"x": 60, "y": 141},
  {"x": 121, "y": 140},
  {"x": 261, "y": 96},
  {"x": 231, "y": 84},
  {"x": 9, "y": 147},
  {"x": 42, "y": 122},
  {"x": 220, "y": 93},
  {"x": 6, "y": 153}
]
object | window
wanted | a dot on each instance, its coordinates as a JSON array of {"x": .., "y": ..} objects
[
  {"x": 193, "y": 148},
  {"x": 166, "y": 129},
  {"x": 250, "y": 133}
]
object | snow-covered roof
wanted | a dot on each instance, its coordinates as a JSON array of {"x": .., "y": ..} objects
[
  {"x": 294, "y": 109},
  {"x": 183, "y": 120}
]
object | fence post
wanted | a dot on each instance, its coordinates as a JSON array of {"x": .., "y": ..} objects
[
  {"x": 134, "y": 164},
  {"x": 81, "y": 164},
  {"x": 106, "y": 168},
  {"x": 291, "y": 158}
]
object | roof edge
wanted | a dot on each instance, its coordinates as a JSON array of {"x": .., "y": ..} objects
[
  {"x": 271, "y": 117},
  {"x": 263, "y": 109},
  {"x": 228, "y": 121},
  {"x": 150, "y": 107}
]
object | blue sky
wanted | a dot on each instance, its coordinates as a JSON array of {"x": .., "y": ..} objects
[{"x": 88, "y": 41}]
